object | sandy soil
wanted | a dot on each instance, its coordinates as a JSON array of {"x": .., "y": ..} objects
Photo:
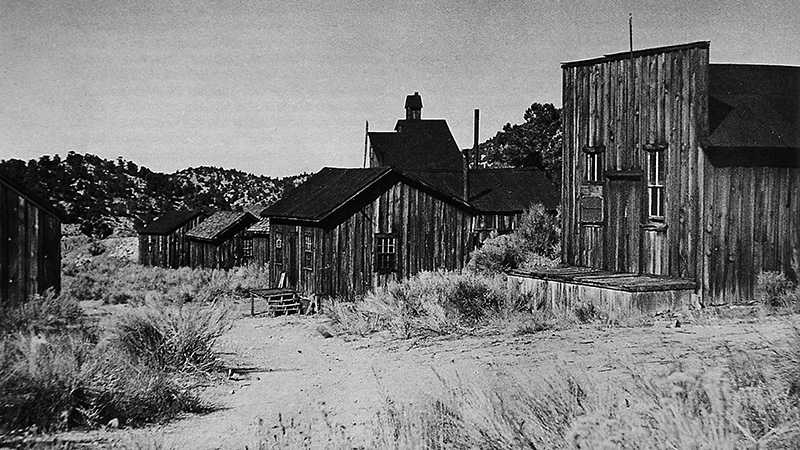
[{"x": 289, "y": 368}]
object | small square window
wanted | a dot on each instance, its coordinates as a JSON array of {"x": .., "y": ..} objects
[{"x": 385, "y": 253}]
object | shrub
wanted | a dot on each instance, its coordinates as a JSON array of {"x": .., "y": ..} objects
[
  {"x": 41, "y": 313},
  {"x": 173, "y": 338},
  {"x": 534, "y": 243},
  {"x": 776, "y": 290}
]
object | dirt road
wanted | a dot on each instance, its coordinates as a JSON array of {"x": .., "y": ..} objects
[{"x": 296, "y": 372}]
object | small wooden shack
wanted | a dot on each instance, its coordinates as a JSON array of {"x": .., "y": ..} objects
[
  {"x": 680, "y": 169},
  {"x": 219, "y": 241},
  {"x": 163, "y": 242},
  {"x": 30, "y": 244},
  {"x": 345, "y": 232},
  {"x": 258, "y": 248}
]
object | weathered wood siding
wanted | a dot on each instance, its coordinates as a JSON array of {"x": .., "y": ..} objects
[
  {"x": 225, "y": 254},
  {"x": 168, "y": 250},
  {"x": 30, "y": 247},
  {"x": 261, "y": 246},
  {"x": 622, "y": 105},
  {"x": 431, "y": 234},
  {"x": 751, "y": 224}
]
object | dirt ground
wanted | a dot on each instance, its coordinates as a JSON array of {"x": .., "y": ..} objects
[{"x": 287, "y": 367}]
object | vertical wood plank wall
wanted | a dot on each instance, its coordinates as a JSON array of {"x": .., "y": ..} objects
[
  {"x": 30, "y": 248},
  {"x": 723, "y": 225},
  {"x": 431, "y": 234},
  {"x": 169, "y": 250},
  {"x": 226, "y": 254}
]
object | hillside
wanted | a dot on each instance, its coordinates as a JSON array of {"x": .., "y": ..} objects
[{"x": 104, "y": 196}]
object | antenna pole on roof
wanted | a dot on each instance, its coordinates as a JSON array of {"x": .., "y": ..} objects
[{"x": 366, "y": 143}]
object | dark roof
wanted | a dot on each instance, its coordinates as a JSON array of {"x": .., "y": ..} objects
[
  {"x": 25, "y": 192},
  {"x": 169, "y": 222},
  {"x": 219, "y": 224},
  {"x": 636, "y": 54},
  {"x": 417, "y": 145},
  {"x": 260, "y": 227},
  {"x": 754, "y": 115},
  {"x": 323, "y": 192},
  {"x": 255, "y": 209},
  {"x": 414, "y": 101},
  {"x": 497, "y": 190}
]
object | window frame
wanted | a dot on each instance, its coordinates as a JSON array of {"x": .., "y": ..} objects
[
  {"x": 379, "y": 264},
  {"x": 279, "y": 249},
  {"x": 247, "y": 248},
  {"x": 308, "y": 251},
  {"x": 593, "y": 164},
  {"x": 656, "y": 175}
]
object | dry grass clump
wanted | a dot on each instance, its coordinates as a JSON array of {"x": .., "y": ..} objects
[
  {"x": 57, "y": 371},
  {"x": 118, "y": 280},
  {"x": 775, "y": 290},
  {"x": 173, "y": 338},
  {"x": 428, "y": 303}
]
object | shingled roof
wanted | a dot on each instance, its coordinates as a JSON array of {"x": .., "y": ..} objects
[
  {"x": 417, "y": 145},
  {"x": 260, "y": 228},
  {"x": 169, "y": 222},
  {"x": 221, "y": 223},
  {"x": 754, "y": 114},
  {"x": 497, "y": 190},
  {"x": 323, "y": 192}
]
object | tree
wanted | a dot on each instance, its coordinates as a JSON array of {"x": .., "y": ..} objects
[{"x": 534, "y": 143}]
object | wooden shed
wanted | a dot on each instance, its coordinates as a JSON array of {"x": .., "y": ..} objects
[
  {"x": 163, "y": 242},
  {"x": 682, "y": 169},
  {"x": 257, "y": 250},
  {"x": 30, "y": 244},
  {"x": 219, "y": 241},
  {"x": 345, "y": 232}
]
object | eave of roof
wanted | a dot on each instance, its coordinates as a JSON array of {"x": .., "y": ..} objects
[
  {"x": 169, "y": 222},
  {"x": 25, "y": 192},
  {"x": 636, "y": 53},
  {"x": 220, "y": 223}
]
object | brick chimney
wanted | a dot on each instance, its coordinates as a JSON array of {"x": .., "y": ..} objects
[{"x": 414, "y": 107}]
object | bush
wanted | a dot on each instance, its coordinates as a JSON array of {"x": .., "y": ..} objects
[
  {"x": 534, "y": 243},
  {"x": 173, "y": 338},
  {"x": 776, "y": 290},
  {"x": 41, "y": 313}
]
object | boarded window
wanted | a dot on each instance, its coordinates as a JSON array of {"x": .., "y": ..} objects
[
  {"x": 308, "y": 251},
  {"x": 278, "y": 248},
  {"x": 655, "y": 184},
  {"x": 385, "y": 253},
  {"x": 591, "y": 209}
]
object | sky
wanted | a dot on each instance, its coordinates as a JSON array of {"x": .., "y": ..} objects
[{"x": 280, "y": 87}]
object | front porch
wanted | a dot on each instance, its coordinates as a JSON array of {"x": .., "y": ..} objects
[{"x": 567, "y": 287}]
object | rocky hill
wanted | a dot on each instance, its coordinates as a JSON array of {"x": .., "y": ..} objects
[{"x": 104, "y": 196}]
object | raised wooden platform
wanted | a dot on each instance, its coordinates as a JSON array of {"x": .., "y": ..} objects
[
  {"x": 278, "y": 301},
  {"x": 567, "y": 287}
]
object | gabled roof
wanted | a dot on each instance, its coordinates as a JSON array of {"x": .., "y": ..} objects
[
  {"x": 421, "y": 144},
  {"x": 261, "y": 227},
  {"x": 169, "y": 222},
  {"x": 25, "y": 192},
  {"x": 219, "y": 224},
  {"x": 324, "y": 192},
  {"x": 497, "y": 190}
]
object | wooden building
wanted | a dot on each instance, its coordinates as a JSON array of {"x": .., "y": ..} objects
[
  {"x": 416, "y": 144},
  {"x": 163, "y": 242},
  {"x": 257, "y": 243},
  {"x": 347, "y": 231},
  {"x": 30, "y": 244},
  {"x": 219, "y": 241},
  {"x": 675, "y": 167}
]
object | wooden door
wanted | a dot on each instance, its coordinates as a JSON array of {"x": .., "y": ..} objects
[
  {"x": 292, "y": 272},
  {"x": 624, "y": 216}
]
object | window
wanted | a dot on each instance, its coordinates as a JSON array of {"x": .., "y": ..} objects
[
  {"x": 247, "y": 248},
  {"x": 308, "y": 251},
  {"x": 655, "y": 183},
  {"x": 278, "y": 248},
  {"x": 385, "y": 253},
  {"x": 594, "y": 164}
]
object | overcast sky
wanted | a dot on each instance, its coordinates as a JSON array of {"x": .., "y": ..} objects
[{"x": 280, "y": 87}]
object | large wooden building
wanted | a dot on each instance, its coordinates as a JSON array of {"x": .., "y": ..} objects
[
  {"x": 163, "y": 242},
  {"x": 219, "y": 242},
  {"x": 30, "y": 244},
  {"x": 679, "y": 168},
  {"x": 347, "y": 231}
]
